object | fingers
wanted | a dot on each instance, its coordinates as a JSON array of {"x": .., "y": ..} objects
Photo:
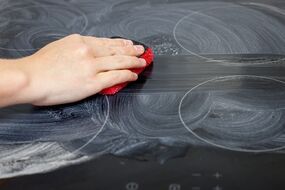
[
  {"x": 135, "y": 50},
  {"x": 111, "y": 78},
  {"x": 118, "y": 62},
  {"x": 108, "y": 47},
  {"x": 107, "y": 41}
]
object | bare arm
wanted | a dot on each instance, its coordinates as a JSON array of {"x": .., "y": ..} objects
[
  {"x": 68, "y": 70},
  {"x": 13, "y": 81}
]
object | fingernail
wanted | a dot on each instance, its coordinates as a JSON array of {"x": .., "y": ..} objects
[
  {"x": 135, "y": 75},
  {"x": 128, "y": 42},
  {"x": 139, "y": 48},
  {"x": 143, "y": 62}
]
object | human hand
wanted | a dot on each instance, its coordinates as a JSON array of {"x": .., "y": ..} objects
[{"x": 76, "y": 67}]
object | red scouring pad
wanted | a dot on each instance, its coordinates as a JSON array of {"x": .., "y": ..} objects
[{"x": 148, "y": 55}]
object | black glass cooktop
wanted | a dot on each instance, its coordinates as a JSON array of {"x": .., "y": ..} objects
[{"x": 209, "y": 113}]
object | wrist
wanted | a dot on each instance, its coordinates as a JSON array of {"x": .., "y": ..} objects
[
  {"x": 13, "y": 82},
  {"x": 29, "y": 91}
]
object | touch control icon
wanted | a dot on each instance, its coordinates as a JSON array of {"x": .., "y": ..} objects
[
  {"x": 174, "y": 187},
  {"x": 132, "y": 186}
]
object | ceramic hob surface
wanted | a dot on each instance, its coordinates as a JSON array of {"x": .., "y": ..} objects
[{"x": 214, "y": 98}]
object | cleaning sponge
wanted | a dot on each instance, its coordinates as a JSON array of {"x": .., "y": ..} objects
[{"x": 147, "y": 55}]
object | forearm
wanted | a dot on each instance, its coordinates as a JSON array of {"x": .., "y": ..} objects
[{"x": 13, "y": 83}]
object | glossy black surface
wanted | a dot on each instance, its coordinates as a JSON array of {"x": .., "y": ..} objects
[{"x": 216, "y": 91}]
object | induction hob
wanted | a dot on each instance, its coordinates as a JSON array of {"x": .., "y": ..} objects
[{"x": 208, "y": 115}]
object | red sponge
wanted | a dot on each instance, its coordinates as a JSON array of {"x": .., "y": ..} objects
[{"x": 147, "y": 55}]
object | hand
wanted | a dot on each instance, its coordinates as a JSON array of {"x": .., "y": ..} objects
[{"x": 76, "y": 67}]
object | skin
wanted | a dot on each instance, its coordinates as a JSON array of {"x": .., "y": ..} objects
[{"x": 68, "y": 70}]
